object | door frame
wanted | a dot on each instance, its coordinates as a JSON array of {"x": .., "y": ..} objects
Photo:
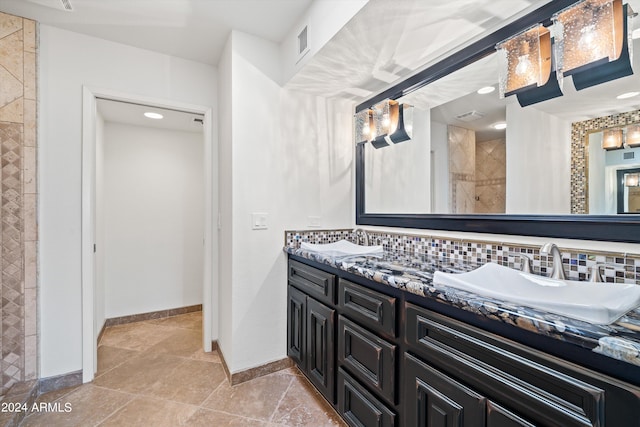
[{"x": 210, "y": 252}]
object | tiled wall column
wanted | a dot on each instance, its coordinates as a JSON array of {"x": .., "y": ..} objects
[
  {"x": 18, "y": 235},
  {"x": 580, "y": 154}
]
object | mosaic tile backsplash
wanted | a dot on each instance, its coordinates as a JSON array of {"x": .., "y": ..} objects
[{"x": 614, "y": 267}]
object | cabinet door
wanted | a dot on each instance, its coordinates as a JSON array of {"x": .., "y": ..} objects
[
  {"x": 296, "y": 322},
  {"x": 432, "y": 399},
  {"x": 497, "y": 416},
  {"x": 320, "y": 347},
  {"x": 370, "y": 359}
]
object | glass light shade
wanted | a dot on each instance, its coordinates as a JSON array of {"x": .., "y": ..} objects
[
  {"x": 591, "y": 31},
  {"x": 633, "y": 136},
  {"x": 364, "y": 126},
  {"x": 612, "y": 139},
  {"x": 386, "y": 115},
  {"x": 525, "y": 60},
  {"x": 632, "y": 180}
]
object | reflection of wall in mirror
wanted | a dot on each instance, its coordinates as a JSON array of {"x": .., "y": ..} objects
[
  {"x": 462, "y": 169},
  {"x": 538, "y": 162},
  {"x": 602, "y": 191},
  {"x": 490, "y": 176},
  {"x": 398, "y": 177},
  {"x": 634, "y": 200},
  {"x": 440, "y": 168}
]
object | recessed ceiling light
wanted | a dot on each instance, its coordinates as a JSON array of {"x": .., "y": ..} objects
[
  {"x": 628, "y": 95},
  {"x": 155, "y": 116},
  {"x": 500, "y": 125},
  {"x": 485, "y": 90}
]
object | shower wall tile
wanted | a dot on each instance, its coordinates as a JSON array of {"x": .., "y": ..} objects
[{"x": 18, "y": 184}]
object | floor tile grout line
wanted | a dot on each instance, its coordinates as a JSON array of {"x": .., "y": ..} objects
[
  {"x": 280, "y": 400},
  {"x": 119, "y": 364}
]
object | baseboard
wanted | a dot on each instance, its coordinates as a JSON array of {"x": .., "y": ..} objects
[
  {"x": 104, "y": 327},
  {"x": 251, "y": 373},
  {"x": 58, "y": 382},
  {"x": 151, "y": 315}
]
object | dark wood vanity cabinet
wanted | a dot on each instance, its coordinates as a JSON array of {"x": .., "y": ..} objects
[
  {"x": 384, "y": 361},
  {"x": 311, "y": 326}
]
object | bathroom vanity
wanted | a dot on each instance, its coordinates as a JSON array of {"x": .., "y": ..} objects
[{"x": 388, "y": 348}]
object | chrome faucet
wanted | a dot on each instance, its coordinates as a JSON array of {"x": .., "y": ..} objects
[
  {"x": 595, "y": 273},
  {"x": 525, "y": 263},
  {"x": 558, "y": 270},
  {"x": 360, "y": 236}
]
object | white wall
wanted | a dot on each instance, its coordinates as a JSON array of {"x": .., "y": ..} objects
[
  {"x": 323, "y": 19},
  {"x": 597, "y": 178},
  {"x": 394, "y": 185},
  {"x": 153, "y": 219},
  {"x": 440, "y": 162},
  {"x": 538, "y": 162},
  {"x": 290, "y": 155},
  {"x": 99, "y": 295},
  {"x": 225, "y": 174},
  {"x": 68, "y": 61}
]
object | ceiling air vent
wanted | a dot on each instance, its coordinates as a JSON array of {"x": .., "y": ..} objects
[
  {"x": 66, "y": 4},
  {"x": 302, "y": 41},
  {"x": 628, "y": 156},
  {"x": 470, "y": 116}
]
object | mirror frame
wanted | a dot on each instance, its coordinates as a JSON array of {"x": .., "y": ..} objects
[{"x": 613, "y": 228}]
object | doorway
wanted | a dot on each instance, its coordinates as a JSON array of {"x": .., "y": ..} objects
[{"x": 93, "y": 301}]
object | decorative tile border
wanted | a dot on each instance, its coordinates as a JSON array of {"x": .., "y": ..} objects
[
  {"x": 580, "y": 154},
  {"x": 615, "y": 267}
]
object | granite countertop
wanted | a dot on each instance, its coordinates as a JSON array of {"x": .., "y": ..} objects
[{"x": 619, "y": 340}]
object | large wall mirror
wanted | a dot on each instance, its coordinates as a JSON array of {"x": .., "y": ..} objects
[{"x": 479, "y": 162}]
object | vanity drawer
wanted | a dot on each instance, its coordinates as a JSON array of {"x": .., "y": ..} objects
[
  {"x": 316, "y": 283},
  {"x": 540, "y": 392},
  {"x": 369, "y": 308},
  {"x": 367, "y": 357},
  {"x": 359, "y": 407}
]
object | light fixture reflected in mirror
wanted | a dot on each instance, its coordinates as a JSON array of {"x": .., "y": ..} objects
[
  {"x": 525, "y": 60},
  {"x": 632, "y": 180},
  {"x": 612, "y": 139},
  {"x": 633, "y": 136},
  {"x": 393, "y": 123},
  {"x": 526, "y": 67},
  {"x": 364, "y": 126},
  {"x": 592, "y": 42}
]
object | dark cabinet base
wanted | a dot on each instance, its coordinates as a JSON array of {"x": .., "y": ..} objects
[{"x": 397, "y": 363}]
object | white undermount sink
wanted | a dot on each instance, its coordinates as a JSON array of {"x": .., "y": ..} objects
[
  {"x": 341, "y": 248},
  {"x": 598, "y": 303}
]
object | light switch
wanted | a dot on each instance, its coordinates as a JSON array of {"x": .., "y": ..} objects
[{"x": 259, "y": 221}]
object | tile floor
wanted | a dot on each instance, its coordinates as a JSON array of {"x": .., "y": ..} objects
[{"x": 154, "y": 373}]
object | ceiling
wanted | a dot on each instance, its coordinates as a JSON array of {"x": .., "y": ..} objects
[
  {"x": 190, "y": 29},
  {"x": 133, "y": 114},
  {"x": 389, "y": 40}
]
